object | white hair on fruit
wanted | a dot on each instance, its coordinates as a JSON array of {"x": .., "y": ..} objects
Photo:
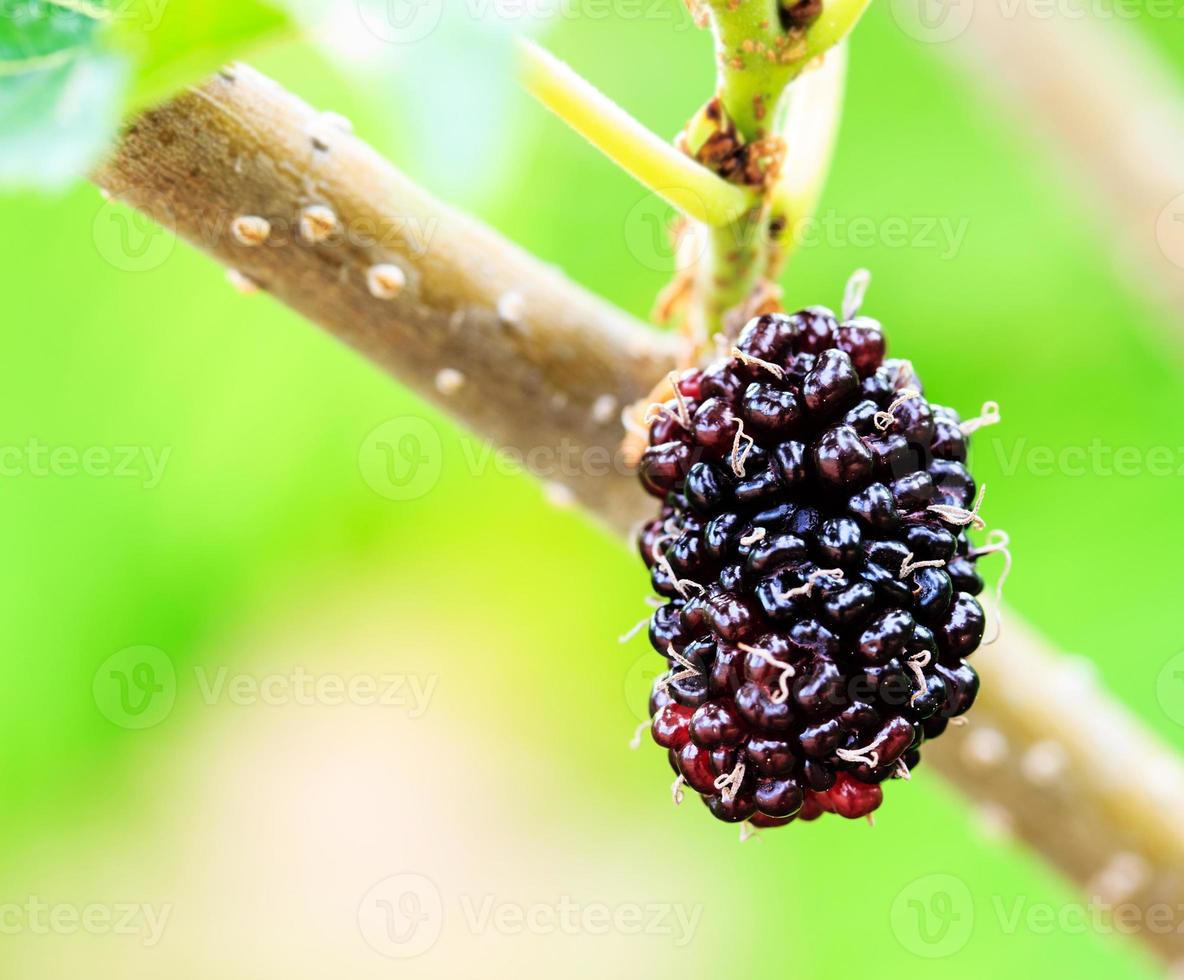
[
  {"x": 684, "y": 413},
  {"x": 739, "y": 458},
  {"x": 753, "y": 536},
  {"x": 670, "y": 677},
  {"x": 867, "y": 754},
  {"x": 635, "y": 741},
  {"x": 916, "y": 663},
  {"x": 729, "y": 783},
  {"x": 676, "y": 789},
  {"x": 885, "y": 419},
  {"x": 988, "y": 416},
  {"x": 811, "y": 581},
  {"x": 960, "y": 516},
  {"x": 908, "y": 566},
  {"x": 634, "y": 630},
  {"x": 855, "y": 292},
  {"x": 787, "y": 671},
  {"x": 769, "y": 366},
  {"x": 998, "y": 541}
]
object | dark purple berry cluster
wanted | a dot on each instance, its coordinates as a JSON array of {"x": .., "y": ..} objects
[{"x": 820, "y": 585}]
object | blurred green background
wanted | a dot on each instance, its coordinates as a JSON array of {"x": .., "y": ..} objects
[{"x": 261, "y": 548}]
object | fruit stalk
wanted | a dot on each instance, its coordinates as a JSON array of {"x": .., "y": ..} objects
[
  {"x": 759, "y": 52},
  {"x": 1063, "y": 766}
]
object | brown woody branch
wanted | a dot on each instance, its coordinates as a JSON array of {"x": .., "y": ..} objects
[
  {"x": 532, "y": 360},
  {"x": 1098, "y": 94}
]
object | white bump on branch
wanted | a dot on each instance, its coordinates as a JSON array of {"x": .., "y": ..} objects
[
  {"x": 251, "y": 230},
  {"x": 241, "y": 282},
  {"x": 317, "y": 222},
  {"x": 385, "y": 281},
  {"x": 449, "y": 381},
  {"x": 984, "y": 747},
  {"x": 511, "y": 308}
]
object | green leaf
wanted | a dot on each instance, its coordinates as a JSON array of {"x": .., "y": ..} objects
[
  {"x": 65, "y": 66},
  {"x": 59, "y": 90}
]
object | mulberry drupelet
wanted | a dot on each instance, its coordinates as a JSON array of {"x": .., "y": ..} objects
[{"x": 813, "y": 553}]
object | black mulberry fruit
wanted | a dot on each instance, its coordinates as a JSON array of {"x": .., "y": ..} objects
[{"x": 812, "y": 550}]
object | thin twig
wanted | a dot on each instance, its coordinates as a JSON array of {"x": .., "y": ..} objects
[{"x": 686, "y": 185}]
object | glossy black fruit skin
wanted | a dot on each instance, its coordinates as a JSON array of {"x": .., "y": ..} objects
[{"x": 808, "y": 655}]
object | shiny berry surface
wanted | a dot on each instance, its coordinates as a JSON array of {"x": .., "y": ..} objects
[{"x": 819, "y": 585}]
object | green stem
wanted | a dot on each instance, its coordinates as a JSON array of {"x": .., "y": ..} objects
[
  {"x": 836, "y": 21},
  {"x": 756, "y": 61},
  {"x": 730, "y": 268}
]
